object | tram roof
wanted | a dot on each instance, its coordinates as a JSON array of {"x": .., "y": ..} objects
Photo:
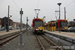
[
  {"x": 61, "y": 20},
  {"x": 52, "y": 21},
  {"x": 40, "y": 19}
]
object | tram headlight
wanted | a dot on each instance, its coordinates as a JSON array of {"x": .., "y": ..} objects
[{"x": 37, "y": 29}]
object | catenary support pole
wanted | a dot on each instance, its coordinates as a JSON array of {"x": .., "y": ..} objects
[
  {"x": 8, "y": 20},
  {"x": 64, "y": 12}
]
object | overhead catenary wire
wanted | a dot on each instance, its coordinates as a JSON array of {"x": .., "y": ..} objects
[
  {"x": 66, "y": 6},
  {"x": 38, "y": 3},
  {"x": 16, "y": 5},
  {"x": 70, "y": 3}
]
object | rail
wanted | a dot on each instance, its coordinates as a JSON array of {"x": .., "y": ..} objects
[
  {"x": 50, "y": 42},
  {"x": 6, "y": 39}
]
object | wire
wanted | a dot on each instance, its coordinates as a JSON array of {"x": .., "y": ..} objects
[
  {"x": 38, "y": 4},
  {"x": 70, "y": 3},
  {"x": 67, "y": 5},
  {"x": 15, "y": 4}
]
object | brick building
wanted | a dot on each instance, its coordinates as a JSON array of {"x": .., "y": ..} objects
[{"x": 5, "y": 21}]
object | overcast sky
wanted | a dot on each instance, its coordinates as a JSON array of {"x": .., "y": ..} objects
[{"x": 47, "y": 8}]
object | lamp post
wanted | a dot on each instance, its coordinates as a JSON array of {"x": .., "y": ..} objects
[
  {"x": 37, "y": 12},
  {"x": 44, "y": 19},
  {"x": 9, "y": 20},
  {"x": 59, "y": 15},
  {"x": 10, "y": 16}
]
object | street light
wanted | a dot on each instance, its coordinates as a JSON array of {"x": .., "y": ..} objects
[
  {"x": 59, "y": 9},
  {"x": 44, "y": 19},
  {"x": 10, "y": 16},
  {"x": 9, "y": 20},
  {"x": 59, "y": 14},
  {"x": 37, "y": 12}
]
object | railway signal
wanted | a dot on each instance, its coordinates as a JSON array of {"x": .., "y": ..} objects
[{"x": 21, "y": 12}]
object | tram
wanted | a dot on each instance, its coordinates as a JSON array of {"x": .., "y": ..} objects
[
  {"x": 58, "y": 25},
  {"x": 38, "y": 25}
]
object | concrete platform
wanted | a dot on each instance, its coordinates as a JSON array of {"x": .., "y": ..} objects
[
  {"x": 29, "y": 43},
  {"x": 10, "y": 31},
  {"x": 64, "y": 34}
]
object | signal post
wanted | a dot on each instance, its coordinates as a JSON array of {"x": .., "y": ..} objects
[{"x": 21, "y": 13}]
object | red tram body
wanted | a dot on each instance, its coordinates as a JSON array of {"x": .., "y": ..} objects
[
  {"x": 61, "y": 24},
  {"x": 37, "y": 25}
]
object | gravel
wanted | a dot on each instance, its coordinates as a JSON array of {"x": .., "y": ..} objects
[{"x": 28, "y": 43}]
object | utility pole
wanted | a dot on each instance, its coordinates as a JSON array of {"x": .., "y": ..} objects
[
  {"x": 65, "y": 13},
  {"x": 21, "y": 12},
  {"x": 7, "y": 25}
]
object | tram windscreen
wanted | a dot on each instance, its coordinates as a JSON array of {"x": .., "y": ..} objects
[
  {"x": 38, "y": 24},
  {"x": 64, "y": 24}
]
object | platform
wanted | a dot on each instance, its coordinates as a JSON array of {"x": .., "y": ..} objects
[
  {"x": 70, "y": 35},
  {"x": 10, "y": 31}
]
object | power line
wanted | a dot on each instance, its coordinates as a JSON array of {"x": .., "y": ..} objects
[
  {"x": 38, "y": 3},
  {"x": 15, "y": 4},
  {"x": 67, "y": 5},
  {"x": 70, "y": 3}
]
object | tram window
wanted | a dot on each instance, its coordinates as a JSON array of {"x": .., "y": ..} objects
[
  {"x": 38, "y": 23},
  {"x": 53, "y": 24}
]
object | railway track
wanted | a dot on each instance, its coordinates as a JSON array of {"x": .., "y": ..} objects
[
  {"x": 6, "y": 39},
  {"x": 45, "y": 43}
]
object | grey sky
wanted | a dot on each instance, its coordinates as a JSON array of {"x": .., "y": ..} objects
[{"x": 47, "y": 8}]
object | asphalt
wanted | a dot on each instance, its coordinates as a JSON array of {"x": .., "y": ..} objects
[{"x": 29, "y": 42}]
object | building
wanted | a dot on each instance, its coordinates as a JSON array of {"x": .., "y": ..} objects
[
  {"x": 5, "y": 21},
  {"x": 0, "y": 22},
  {"x": 16, "y": 25}
]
